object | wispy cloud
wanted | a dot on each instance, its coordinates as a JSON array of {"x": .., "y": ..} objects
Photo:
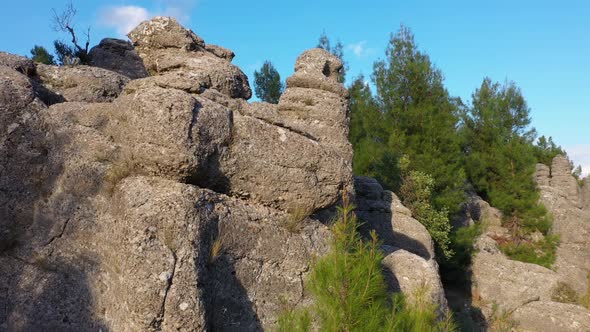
[
  {"x": 580, "y": 155},
  {"x": 123, "y": 18},
  {"x": 360, "y": 49}
]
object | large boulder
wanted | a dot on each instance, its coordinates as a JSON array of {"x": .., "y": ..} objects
[
  {"x": 509, "y": 284},
  {"x": 119, "y": 56},
  {"x": 416, "y": 277},
  {"x": 552, "y": 316},
  {"x": 171, "y": 134},
  {"x": 167, "y": 47},
  {"x": 409, "y": 264},
  {"x": 382, "y": 211},
  {"x": 81, "y": 83},
  {"x": 19, "y": 63},
  {"x": 262, "y": 165}
]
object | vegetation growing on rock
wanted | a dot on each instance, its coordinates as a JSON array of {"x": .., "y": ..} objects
[{"x": 350, "y": 293}]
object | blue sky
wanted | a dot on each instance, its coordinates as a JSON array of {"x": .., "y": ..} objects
[{"x": 544, "y": 46}]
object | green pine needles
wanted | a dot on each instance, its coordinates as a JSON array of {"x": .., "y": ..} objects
[{"x": 350, "y": 293}]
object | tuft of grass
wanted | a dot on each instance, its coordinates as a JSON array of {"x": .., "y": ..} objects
[
  {"x": 585, "y": 299},
  {"x": 541, "y": 253},
  {"x": 350, "y": 293},
  {"x": 564, "y": 293},
  {"x": 501, "y": 320},
  {"x": 294, "y": 221},
  {"x": 216, "y": 250},
  {"x": 115, "y": 174}
]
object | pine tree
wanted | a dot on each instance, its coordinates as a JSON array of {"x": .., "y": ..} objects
[
  {"x": 41, "y": 55},
  {"x": 501, "y": 156},
  {"x": 369, "y": 134},
  {"x": 421, "y": 116},
  {"x": 267, "y": 83}
]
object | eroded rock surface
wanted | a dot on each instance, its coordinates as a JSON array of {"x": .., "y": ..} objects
[
  {"x": 527, "y": 291},
  {"x": 409, "y": 261},
  {"x": 158, "y": 203}
]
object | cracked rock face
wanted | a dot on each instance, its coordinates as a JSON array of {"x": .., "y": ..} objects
[
  {"x": 163, "y": 203},
  {"x": 159, "y": 203}
]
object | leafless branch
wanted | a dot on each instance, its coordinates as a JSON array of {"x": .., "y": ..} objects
[{"x": 63, "y": 22}]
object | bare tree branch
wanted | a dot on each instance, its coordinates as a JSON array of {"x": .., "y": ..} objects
[{"x": 63, "y": 22}]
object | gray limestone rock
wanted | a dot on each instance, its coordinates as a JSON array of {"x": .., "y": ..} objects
[
  {"x": 119, "y": 56},
  {"x": 417, "y": 278},
  {"x": 81, "y": 83}
]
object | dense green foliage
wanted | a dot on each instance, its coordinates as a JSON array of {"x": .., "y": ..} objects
[
  {"x": 336, "y": 50},
  {"x": 540, "y": 253},
  {"x": 40, "y": 54},
  {"x": 500, "y": 163},
  {"x": 416, "y": 190},
  {"x": 350, "y": 293},
  {"x": 418, "y": 118},
  {"x": 488, "y": 145},
  {"x": 456, "y": 270},
  {"x": 267, "y": 83}
]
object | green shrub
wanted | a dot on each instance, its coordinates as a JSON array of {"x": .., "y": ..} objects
[
  {"x": 455, "y": 270},
  {"x": 349, "y": 290},
  {"x": 541, "y": 253},
  {"x": 416, "y": 192},
  {"x": 418, "y": 316}
]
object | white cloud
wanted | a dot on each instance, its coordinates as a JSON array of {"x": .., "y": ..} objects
[
  {"x": 580, "y": 155},
  {"x": 360, "y": 49},
  {"x": 123, "y": 18}
]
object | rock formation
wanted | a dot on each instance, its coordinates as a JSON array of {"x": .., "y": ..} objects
[
  {"x": 527, "y": 291},
  {"x": 131, "y": 202},
  {"x": 119, "y": 56},
  {"x": 409, "y": 261}
]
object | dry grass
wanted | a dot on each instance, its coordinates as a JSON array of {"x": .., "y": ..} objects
[
  {"x": 585, "y": 299},
  {"x": 564, "y": 293},
  {"x": 297, "y": 215},
  {"x": 216, "y": 250},
  {"x": 501, "y": 320},
  {"x": 115, "y": 174}
]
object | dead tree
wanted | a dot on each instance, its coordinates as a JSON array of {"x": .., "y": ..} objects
[{"x": 63, "y": 22}]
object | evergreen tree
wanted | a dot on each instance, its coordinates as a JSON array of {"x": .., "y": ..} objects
[
  {"x": 40, "y": 54},
  {"x": 267, "y": 83},
  {"x": 421, "y": 117},
  {"x": 546, "y": 150},
  {"x": 369, "y": 134},
  {"x": 65, "y": 53},
  {"x": 337, "y": 51},
  {"x": 501, "y": 157}
]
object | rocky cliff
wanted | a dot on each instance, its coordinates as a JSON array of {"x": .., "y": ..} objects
[
  {"x": 145, "y": 193},
  {"x": 529, "y": 293}
]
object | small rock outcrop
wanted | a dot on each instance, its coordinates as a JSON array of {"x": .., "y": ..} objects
[{"x": 119, "y": 56}]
